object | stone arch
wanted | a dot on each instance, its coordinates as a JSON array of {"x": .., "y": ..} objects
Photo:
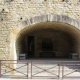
[
  {"x": 52, "y": 18},
  {"x": 30, "y": 23}
]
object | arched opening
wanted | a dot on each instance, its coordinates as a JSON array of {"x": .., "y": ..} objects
[
  {"x": 48, "y": 39},
  {"x": 47, "y": 44},
  {"x": 47, "y": 48}
]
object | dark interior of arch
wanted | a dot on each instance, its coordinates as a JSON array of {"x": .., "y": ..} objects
[{"x": 47, "y": 43}]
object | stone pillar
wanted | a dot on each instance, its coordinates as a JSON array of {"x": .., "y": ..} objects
[{"x": 13, "y": 55}]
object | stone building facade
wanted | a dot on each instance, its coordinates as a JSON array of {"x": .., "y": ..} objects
[{"x": 42, "y": 22}]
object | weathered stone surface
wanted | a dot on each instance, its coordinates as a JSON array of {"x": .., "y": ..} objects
[{"x": 18, "y": 14}]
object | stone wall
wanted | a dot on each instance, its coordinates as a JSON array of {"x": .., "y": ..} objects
[{"x": 13, "y": 13}]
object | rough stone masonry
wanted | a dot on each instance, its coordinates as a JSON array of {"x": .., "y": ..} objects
[{"x": 14, "y": 14}]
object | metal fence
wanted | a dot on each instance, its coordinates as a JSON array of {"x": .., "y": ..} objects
[
  {"x": 45, "y": 69},
  {"x": 51, "y": 69},
  {"x": 70, "y": 69},
  {"x": 8, "y": 69}
]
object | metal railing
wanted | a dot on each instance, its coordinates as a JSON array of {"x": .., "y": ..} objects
[
  {"x": 11, "y": 70},
  {"x": 51, "y": 69},
  {"x": 45, "y": 69},
  {"x": 70, "y": 69}
]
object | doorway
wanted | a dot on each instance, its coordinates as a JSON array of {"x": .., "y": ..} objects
[{"x": 31, "y": 46}]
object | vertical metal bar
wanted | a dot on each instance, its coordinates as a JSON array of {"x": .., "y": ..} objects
[
  {"x": 0, "y": 68},
  {"x": 27, "y": 70},
  {"x": 31, "y": 69},
  {"x": 59, "y": 70},
  {"x": 62, "y": 70}
]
